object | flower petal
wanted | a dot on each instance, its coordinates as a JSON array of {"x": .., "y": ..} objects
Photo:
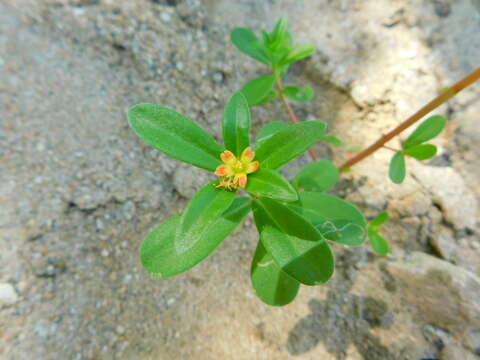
[
  {"x": 247, "y": 155},
  {"x": 242, "y": 181},
  {"x": 252, "y": 167},
  {"x": 223, "y": 170},
  {"x": 228, "y": 157}
]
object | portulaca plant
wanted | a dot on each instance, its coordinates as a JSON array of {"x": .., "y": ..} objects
[{"x": 296, "y": 219}]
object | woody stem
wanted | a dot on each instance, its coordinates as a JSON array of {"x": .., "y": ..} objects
[
  {"x": 439, "y": 100},
  {"x": 291, "y": 113}
]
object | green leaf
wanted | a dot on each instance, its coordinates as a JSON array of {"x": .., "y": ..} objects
[
  {"x": 266, "y": 37},
  {"x": 299, "y": 94},
  {"x": 295, "y": 245},
  {"x": 425, "y": 131},
  {"x": 175, "y": 135},
  {"x": 280, "y": 29},
  {"x": 158, "y": 252},
  {"x": 335, "y": 218},
  {"x": 257, "y": 90},
  {"x": 378, "y": 243},
  {"x": 269, "y": 183},
  {"x": 288, "y": 143},
  {"x": 298, "y": 53},
  {"x": 236, "y": 124},
  {"x": 317, "y": 176},
  {"x": 421, "y": 152},
  {"x": 332, "y": 140},
  {"x": 270, "y": 96},
  {"x": 268, "y": 131},
  {"x": 200, "y": 214},
  {"x": 247, "y": 42},
  {"x": 397, "y": 168},
  {"x": 378, "y": 221},
  {"x": 271, "y": 284}
]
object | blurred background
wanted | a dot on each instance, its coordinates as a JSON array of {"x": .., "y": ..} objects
[{"x": 79, "y": 191}]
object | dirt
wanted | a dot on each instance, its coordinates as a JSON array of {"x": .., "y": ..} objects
[{"x": 79, "y": 191}]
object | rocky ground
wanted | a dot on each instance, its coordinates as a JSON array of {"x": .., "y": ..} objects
[{"x": 78, "y": 190}]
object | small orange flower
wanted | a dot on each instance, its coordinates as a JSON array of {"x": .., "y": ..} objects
[{"x": 233, "y": 172}]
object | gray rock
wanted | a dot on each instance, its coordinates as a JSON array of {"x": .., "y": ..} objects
[
  {"x": 442, "y": 294},
  {"x": 8, "y": 295},
  {"x": 455, "y": 352},
  {"x": 458, "y": 203},
  {"x": 444, "y": 243},
  {"x": 188, "y": 180}
]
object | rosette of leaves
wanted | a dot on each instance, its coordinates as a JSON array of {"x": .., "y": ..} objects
[
  {"x": 295, "y": 220},
  {"x": 277, "y": 50},
  {"x": 415, "y": 147}
]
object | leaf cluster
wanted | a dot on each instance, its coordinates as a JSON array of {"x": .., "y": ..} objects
[
  {"x": 414, "y": 146},
  {"x": 277, "y": 50},
  {"x": 295, "y": 219}
]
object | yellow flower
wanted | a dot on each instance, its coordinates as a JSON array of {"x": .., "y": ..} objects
[{"x": 233, "y": 173}]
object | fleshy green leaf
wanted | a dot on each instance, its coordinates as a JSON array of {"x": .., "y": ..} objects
[
  {"x": 421, "y": 152},
  {"x": 271, "y": 284},
  {"x": 269, "y": 183},
  {"x": 337, "y": 219},
  {"x": 270, "y": 96},
  {"x": 378, "y": 243},
  {"x": 268, "y": 131},
  {"x": 378, "y": 221},
  {"x": 317, "y": 176},
  {"x": 295, "y": 245},
  {"x": 280, "y": 28},
  {"x": 298, "y": 53},
  {"x": 257, "y": 90},
  {"x": 200, "y": 214},
  {"x": 175, "y": 135},
  {"x": 158, "y": 252},
  {"x": 332, "y": 140},
  {"x": 397, "y": 168},
  {"x": 236, "y": 124},
  {"x": 425, "y": 131},
  {"x": 247, "y": 42},
  {"x": 299, "y": 94},
  {"x": 288, "y": 143}
]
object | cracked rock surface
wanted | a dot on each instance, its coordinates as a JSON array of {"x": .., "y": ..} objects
[{"x": 79, "y": 191}]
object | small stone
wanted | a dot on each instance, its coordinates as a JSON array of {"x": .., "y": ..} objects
[
  {"x": 129, "y": 210},
  {"x": 120, "y": 330},
  {"x": 8, "y": 295},
  {"x": 444, "y": 243},
  {"x": 217, "y": 77},
  {"x": 165, "y": 17},
  {"x": 104, "y": 253}
]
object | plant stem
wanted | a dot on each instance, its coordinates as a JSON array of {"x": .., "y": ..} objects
[
  {"x": 439, "y": 100},
  {"x": 390, "y": 148},
  {"x": 289, "y": 109}
]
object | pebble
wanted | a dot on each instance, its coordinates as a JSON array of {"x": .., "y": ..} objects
[
  {"x": 217, "y": 77},
  {"x": 165, "y": 17},
  {"x": 8, "y": 295}
]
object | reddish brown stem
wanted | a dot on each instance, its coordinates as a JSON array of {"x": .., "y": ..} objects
[
  {"x": 439, "y": 100},
  {"x": 291, "y": 113}
]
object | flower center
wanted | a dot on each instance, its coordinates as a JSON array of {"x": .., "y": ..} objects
[{"x": 233, "y": 172}]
